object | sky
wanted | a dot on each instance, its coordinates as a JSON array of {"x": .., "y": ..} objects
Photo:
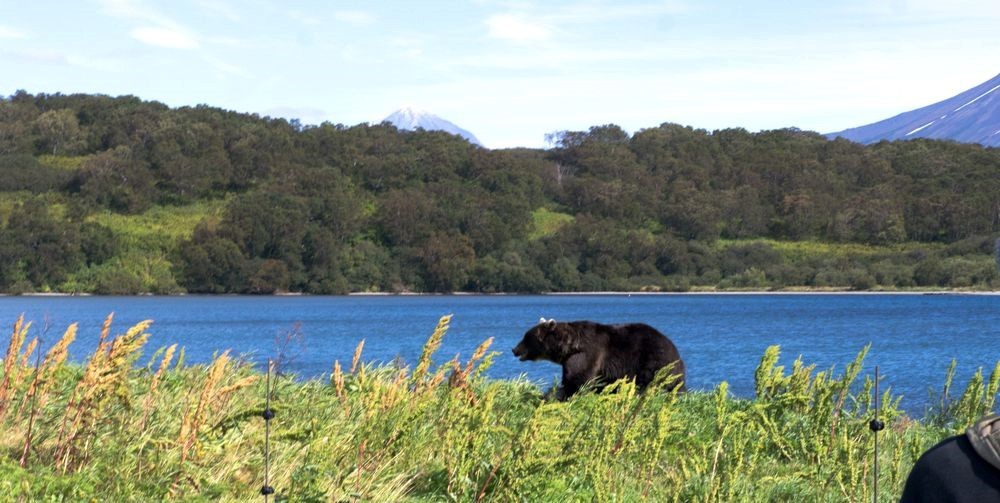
[{"x": 512, "y": 71}]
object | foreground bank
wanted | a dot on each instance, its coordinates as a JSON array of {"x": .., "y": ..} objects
[{"x": 112, "y": 429}]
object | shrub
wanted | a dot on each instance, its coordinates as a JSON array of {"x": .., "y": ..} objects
[
  {"x": 738, "y": 259},
  {"x": 271, "y": 276},
  {"x": 24, "y": 172},
  {"x": 930, "y": 272},
  {"x": 888, "y": 273},
  {"x": 750, "y": 278},
  {"x": 966, "y": 271},
  {"x": 859, "y": 279},
  {"x": 973, "y": 245},
  {"x": 831, "y": 277}
]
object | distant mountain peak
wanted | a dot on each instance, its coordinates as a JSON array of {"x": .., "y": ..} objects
[
  {"x": 411, "y": 118},
  {"x": 414, "y": 111},
  {"x": 972, "y": 116}
]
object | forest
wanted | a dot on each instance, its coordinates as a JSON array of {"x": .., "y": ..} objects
[{"x": 117, "y": 195}]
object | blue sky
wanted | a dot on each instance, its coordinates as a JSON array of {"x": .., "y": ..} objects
[{"x": 512, "y": 71}]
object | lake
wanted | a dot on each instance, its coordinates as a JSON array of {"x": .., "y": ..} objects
[{"x": 720, "y": 337}]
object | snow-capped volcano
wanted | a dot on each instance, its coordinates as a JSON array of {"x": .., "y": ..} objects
[
  {"x": 411, "y": 120},
  {"x": 972, "y": 116}
]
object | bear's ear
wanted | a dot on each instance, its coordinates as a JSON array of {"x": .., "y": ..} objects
[{"x": 550, "y": 323}]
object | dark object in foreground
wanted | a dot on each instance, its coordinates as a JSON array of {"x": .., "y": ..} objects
[
  {"x": 963, "y": 468},
  {"x": 591, "y": 351}
]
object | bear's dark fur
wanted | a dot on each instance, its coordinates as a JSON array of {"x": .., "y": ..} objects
[
  {"x": 952, "y": 471},
  {"x": 591, "y": 351}
]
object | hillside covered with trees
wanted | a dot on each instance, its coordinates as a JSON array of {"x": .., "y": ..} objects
[{"x": 120, "y": 195}]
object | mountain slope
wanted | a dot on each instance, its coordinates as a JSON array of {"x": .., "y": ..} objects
[
  {"x": 411, "y": 120},
  {"x": 972, "y": 117}
]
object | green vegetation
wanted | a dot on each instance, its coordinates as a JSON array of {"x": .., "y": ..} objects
[
  {"x": 159, "y": 228},
  {"x": 112, "y": 430},
  {"x": 139, "y": 197},
  {"x": 66, "y": 163},
  {"x": 546, "y": 222}
]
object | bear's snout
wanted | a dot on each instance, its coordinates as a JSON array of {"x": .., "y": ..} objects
[{"x": 519, "y": 352}]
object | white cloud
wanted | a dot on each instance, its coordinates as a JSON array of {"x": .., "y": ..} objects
[
  {"x": 928, "y": 10},
  {"x": 161, "y": 36},
  {"x": 40, "y": 56},
  {"x": 516, "y": 28},
  {"x": 134, "y": 9},
  {"x": 411, "y": 47},
  {"x": 220, "y": 8},
  {"x": 226, "y": 68},
  {"x": 601, "y": 12},
  {"x": 10, "y": 32},
  {"x": 528, "y": 22},
  {"x": 306, "y": 19},
  {"x": 95, "y": 63},
  {"x": 354, "y": 17},
  {"x": 50, "y": 57},
  {"x": 229, "y": 42},
  {"x": 160, "y": 30}
]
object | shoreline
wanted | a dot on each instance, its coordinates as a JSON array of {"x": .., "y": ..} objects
[
  {"x": 609, "y": 293},
  {"x": 539, "y": 294},
  {"x": 787, "y": 292}
]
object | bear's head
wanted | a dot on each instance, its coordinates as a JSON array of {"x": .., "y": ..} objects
[{"x": 547, "y": 340}]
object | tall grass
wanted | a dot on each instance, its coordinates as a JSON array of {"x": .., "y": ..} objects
[
  {"x": 158, "y": 228},
  {"x": 114, "y": 430},
  {"x": 801, "y": 251},
  {"x": 545, "y": 222}
]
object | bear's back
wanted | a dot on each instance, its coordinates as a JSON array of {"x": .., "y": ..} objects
[
  {"x": 643, "y": 338},
  {"x": 639, "y": 350}
]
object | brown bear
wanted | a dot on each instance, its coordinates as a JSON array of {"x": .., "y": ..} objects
[{"x": 590, "y": 351}]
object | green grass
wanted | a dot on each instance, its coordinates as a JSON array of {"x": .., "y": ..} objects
[
  {"x": 111, "y": 430},
  {"x": 160, "y": 227},
  {"x": 66, "y": 163},
  {"x": 546, "y": 222},
  {"x": 8, "y": 200},
  {"x": 801, "y": 251}
]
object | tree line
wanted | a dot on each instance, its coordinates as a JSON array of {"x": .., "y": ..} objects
[{"x": 335, "y": 209}]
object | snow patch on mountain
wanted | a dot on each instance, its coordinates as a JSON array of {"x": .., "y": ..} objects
[
  {"x": 972, "y": 116},
  {"x": 920, "y": 128},
  {"x": 412, "y": 119},
  {"x": 977, "y": 98}
]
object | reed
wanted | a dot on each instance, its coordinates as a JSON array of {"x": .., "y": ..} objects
[
  {"x": 430, "y": 347},
  {"x": 11, "y": 371},
  {"x": 45, "y": 373},
  {"x": 110, "y": 430},
  {"x": 104, "y": 383},
  {"x": 154, "y": 384}
]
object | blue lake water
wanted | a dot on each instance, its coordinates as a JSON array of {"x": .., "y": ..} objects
[{"x": 720, "y": 337}]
